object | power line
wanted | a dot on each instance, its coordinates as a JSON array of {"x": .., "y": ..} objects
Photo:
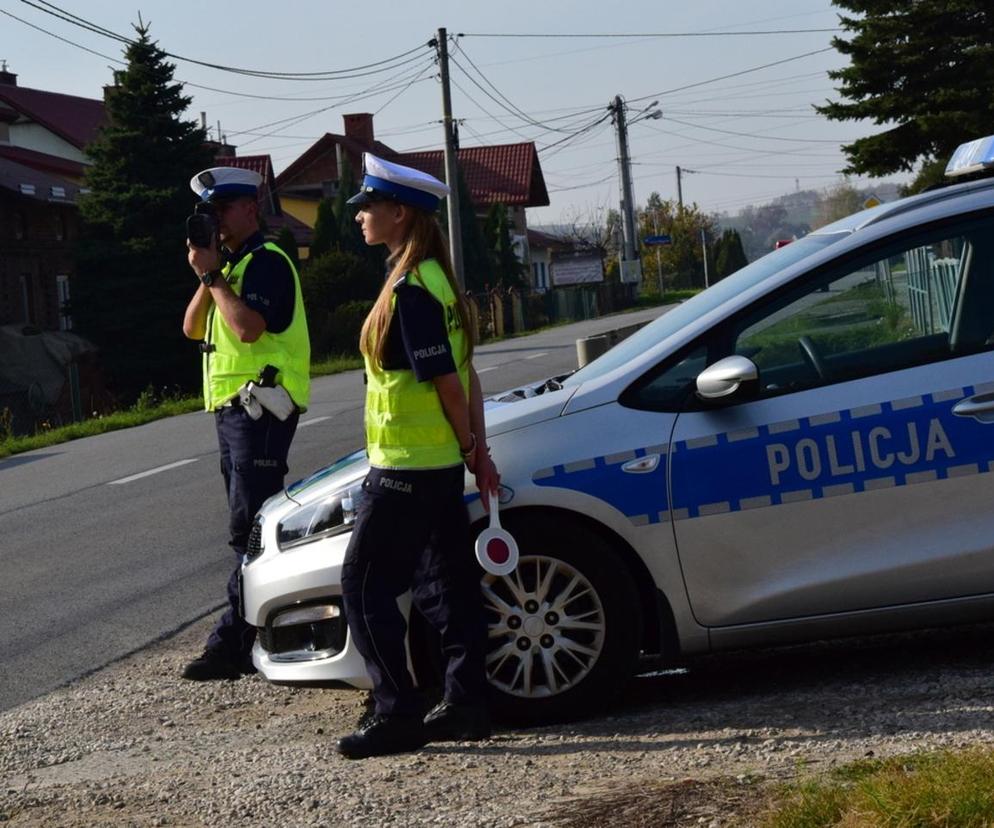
[
  {"x": 583, "y": 186},
  {"x": 64, "y": 40},
  {"x": 510, "y": 107},
  {"x": 734, "y": 74},
  {"x": 647, "y": 35},
  {"x": 472, "y": 100},
  {"x": 558, "y": 146},
  {"x": 512, "y": 110},
  {"x": 413, "y": 81},
  {"x": 329, "y": 74},
  {"x": 754, "y": 135},
  {"x": 377, "y": 89}
]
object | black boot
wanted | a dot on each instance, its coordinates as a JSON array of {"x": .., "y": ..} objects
[
  {"x": 450, "y": 722},
  {"x": 213, "y": 665},
  {"x": 382, "y": 735}
]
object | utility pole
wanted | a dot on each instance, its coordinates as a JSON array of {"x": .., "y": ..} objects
[
  {"x": 628, "y": 253},
  {"x": 679, "y": 188},
  {"x": 704, "y": 251},
  {"x": 451, "y": 161}
]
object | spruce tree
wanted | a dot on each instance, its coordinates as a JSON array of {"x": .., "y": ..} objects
[
  {"x": 476, "y": 260},
  {"x": 287, "y": 242},
  {"x": 133, "y": 281},
  {"x": 507, "y": 268},
  {"x": 730, "y": 256},
  {"x": 922, "y": 69},
  {"x": 326, "y": 236}
]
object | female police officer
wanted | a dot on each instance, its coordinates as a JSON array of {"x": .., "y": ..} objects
[{"x": 424, "y": 421}]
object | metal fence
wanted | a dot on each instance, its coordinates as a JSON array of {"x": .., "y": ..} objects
[{"x": 499, "y": 313}]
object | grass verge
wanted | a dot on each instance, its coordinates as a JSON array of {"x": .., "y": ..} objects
[
  {"x": 146, "y": 410},
  {"x": 335, "y": 364},
  {"x": 948, "y": 789},
  {"x": 138, "y": 414}
]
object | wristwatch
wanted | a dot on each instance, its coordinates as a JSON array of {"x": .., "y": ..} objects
[{"x": 210, "y": 277}]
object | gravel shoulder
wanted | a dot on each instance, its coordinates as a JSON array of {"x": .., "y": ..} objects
[{"x": 134, "y": 745}]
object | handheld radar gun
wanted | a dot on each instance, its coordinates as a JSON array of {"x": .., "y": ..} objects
[{"x": 496, "y": 550}]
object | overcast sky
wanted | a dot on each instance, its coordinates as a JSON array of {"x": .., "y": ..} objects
[{"x": 750, "y": 137}]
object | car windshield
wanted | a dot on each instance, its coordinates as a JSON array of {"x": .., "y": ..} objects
[{"x": 685, "y": 313}]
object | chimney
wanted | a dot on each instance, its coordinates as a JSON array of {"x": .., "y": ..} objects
[
  {"x": 360, "y": 127},
  {"x": 7, "y": 78}
]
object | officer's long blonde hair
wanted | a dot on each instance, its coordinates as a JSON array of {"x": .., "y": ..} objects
[{"x": 425, "y": 240}]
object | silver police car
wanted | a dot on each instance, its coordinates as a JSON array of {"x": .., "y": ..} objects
[{"x": 803, "y": 450}]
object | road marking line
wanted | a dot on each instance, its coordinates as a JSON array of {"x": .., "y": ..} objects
[
  {"x": 492, "y": 368},
  {"x": 536, "y": 356},
  {"x": 313, "y": 421},
  {"x": 150, "y": 472}
]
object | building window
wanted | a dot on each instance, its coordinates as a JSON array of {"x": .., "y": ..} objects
[
  {"x": 27, "y": 298},
  {"x": 541, "y": 272},
  {"x": 62, "y": 291}
]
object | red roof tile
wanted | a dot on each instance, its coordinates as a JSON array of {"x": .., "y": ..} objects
[
  {"x": 498, "y": 174},
  {"x": 318, "y": 163},
  {"x": 262, "y": 164},
  {"x": 43, "y": 161},
  {"x": 68, "y": 116}
]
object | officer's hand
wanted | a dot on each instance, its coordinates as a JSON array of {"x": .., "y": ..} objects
[
  {"x": 487, "y": 478},
  {"x": 203, "y": 259}
]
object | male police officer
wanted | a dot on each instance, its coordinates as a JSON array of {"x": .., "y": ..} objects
[{"x": 249, "y": 312}]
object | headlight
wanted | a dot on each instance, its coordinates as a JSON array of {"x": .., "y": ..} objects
[{"x": 318, "y": 520}]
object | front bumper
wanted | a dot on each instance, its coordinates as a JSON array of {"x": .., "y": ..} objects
[{"x": 294, "y": 600}]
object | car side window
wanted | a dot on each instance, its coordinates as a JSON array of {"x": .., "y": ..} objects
[
  {"x": 911, "y": 304},
  {"x": 670, "y": 385}
]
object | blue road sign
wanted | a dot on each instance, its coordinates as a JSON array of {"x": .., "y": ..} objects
[{"x": 653, "y": 241}]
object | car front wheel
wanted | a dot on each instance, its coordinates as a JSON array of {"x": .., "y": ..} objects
[{"x": 563, "y": 627}]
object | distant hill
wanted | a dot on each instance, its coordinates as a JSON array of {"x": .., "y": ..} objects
[{"x": 793, "y": 215}]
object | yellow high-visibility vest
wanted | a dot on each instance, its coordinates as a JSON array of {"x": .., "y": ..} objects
[
  {"x": 229, "y": 363},
  {"x": 406, "y": 426}
]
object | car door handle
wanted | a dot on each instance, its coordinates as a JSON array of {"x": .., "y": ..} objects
[
  {"x": 642, "y": 465},
  {"x": 979, "y": 406}
]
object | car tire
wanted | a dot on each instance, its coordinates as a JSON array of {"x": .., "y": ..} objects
[
  {"x": 564, "y": 627},
  {"x": 613, "y": 605}
]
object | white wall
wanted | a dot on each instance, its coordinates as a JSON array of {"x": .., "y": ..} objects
[{"x": 36, "y": 137}]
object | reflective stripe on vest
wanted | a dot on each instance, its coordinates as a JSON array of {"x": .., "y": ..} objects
[
  {"x": 231, "y": 362},
  {"x": 406, "y": 426}
]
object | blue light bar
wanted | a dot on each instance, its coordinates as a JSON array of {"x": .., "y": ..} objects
[{"x": 972, "y": 156}]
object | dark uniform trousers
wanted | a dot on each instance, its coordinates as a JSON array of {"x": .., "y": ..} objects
[
  {"x": 253, "y": 464},
  {"x": 412, "y": 532}
]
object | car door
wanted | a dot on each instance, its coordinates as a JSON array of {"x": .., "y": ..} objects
[{"x": 858, "y": 474}]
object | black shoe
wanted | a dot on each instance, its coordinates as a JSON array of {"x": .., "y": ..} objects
[
  {"x": 383, "y": 735},
  {"x": 450, "y": 722},
  {"x": 212, "y": 665}
]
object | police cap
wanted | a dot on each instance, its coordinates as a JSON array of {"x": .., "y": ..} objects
[
  {"x": 225, "y": 182},
  {"x": 386, "y": 181}
]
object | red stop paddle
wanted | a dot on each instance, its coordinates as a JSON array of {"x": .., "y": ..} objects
[{"x": 496, "y": 550}]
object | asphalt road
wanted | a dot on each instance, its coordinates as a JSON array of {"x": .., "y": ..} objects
[{"x": 113, "y": 541}]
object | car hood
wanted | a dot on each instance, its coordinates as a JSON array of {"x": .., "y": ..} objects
[
  {"x": 340, "y": 474},
  {"x": 506, "y": 411},
  {"x": 526, "y": 405}
]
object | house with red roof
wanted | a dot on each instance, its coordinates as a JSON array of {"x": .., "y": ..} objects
[
  {"x": 508, "y": 174},
  {"x": 43, "y": 136},
  {"x": 274, "y": 217}
]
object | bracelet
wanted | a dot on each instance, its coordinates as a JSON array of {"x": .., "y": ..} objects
[{"x": 467, "y": 453}]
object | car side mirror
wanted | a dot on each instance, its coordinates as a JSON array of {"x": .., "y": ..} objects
[{"x": 726, "y": 377}]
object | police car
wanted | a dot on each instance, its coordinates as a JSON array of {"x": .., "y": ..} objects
[{"x": 803, "y": 450}]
